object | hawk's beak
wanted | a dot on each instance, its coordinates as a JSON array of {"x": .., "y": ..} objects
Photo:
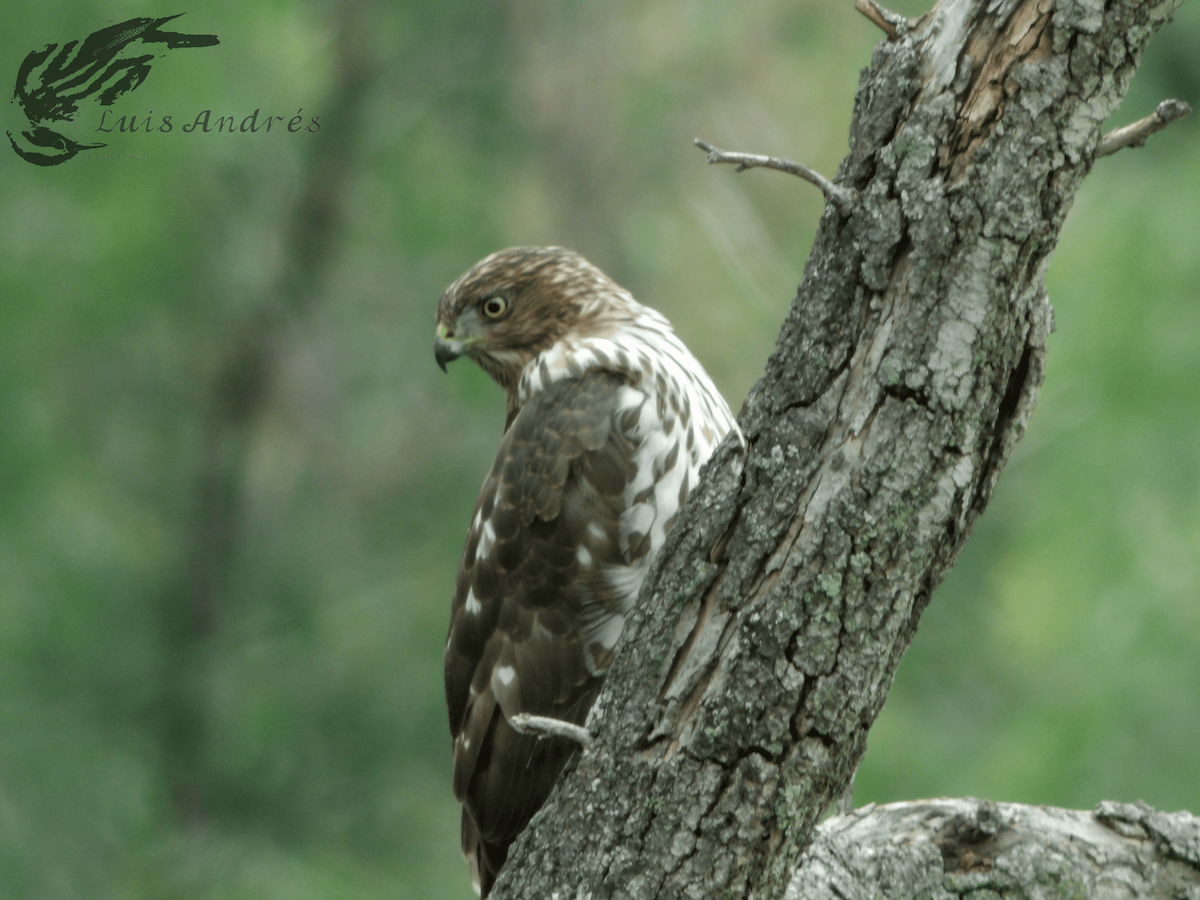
[{"x": 445, "y": 351}]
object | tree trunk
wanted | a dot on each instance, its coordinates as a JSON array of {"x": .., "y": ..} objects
[
  {"x": 771, "y": 626},
  {"x": 239, "y": 396},
  {"x": 946, "y": 849}
]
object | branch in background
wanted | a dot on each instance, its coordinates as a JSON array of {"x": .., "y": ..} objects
[
  {"x": 890, "y": 22},
  {"x": 993, "y": 849},
  {"x": 839, "y": 196},
  {"x": 238, "y": 398},
  {"x": 1135, "y": 135}
]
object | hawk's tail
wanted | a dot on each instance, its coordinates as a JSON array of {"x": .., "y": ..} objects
[{"x": 485, "y": 858}]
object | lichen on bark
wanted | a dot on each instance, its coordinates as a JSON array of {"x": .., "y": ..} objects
[
  {"x": 770, "y": 627},
  {"x": 976, "y": 849}
]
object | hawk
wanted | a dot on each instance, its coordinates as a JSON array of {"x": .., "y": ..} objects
[{"x": 610, "y": 418}]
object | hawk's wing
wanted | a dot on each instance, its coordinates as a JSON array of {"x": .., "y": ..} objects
[{"x": 550, "y": 567}]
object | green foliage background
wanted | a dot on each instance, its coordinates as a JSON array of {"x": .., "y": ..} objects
[{"x": 1058, "y": 663}]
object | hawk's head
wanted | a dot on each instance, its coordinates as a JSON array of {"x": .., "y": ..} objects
[{"x": 516, "y": 303}]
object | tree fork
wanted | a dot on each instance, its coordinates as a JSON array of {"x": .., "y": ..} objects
[{"x": 770, "y": 627}]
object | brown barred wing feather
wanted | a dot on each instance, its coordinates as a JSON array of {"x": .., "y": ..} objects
[{"x": 537, "y": 606}]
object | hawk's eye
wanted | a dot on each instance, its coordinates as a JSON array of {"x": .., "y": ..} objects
[{"x": 495, "y": 307}]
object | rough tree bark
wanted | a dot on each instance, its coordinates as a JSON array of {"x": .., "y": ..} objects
[
  {"x": 947, "y": 849},
  {"x": 769, "y": 630}
]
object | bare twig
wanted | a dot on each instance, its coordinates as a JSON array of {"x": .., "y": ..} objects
[
  {"x": 541, "y": 726},
  {"x": 889, "y": 21},
  {"x": 1135, "y": 135},
  {"x": 839, "y": 196}
]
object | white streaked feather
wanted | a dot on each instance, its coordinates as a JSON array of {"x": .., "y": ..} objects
[
  {"x": 637, "y": 518},
  {"x": 608, "y": 633},
  {"x": 645, "y": 340},
  {"x": 625, "y": 582},
  {"x": 487, "y": 538},
  {"x": 599, "y": 639}
]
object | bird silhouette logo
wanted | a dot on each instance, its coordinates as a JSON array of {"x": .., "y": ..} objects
[{"x": 108, "y": 64}]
